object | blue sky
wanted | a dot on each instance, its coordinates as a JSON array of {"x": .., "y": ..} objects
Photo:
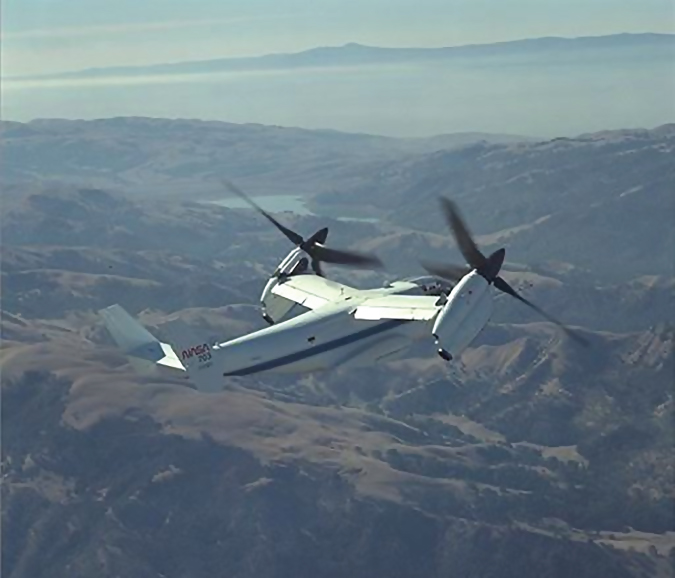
[{"x": 44, "y": 36}]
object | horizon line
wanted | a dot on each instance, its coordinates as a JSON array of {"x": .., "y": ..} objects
[{"x": 55, "y": 75}]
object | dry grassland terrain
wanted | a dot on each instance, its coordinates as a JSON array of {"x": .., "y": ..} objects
[{"x": 527, "y": 457}]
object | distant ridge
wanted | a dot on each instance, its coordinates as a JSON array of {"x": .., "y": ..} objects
[{"x": 355, "y": 54}]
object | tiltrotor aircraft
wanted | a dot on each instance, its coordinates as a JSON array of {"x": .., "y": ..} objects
[{"x": 342, "y": 326}]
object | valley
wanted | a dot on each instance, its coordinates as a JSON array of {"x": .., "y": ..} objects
[{"x": 529, "y": 456}]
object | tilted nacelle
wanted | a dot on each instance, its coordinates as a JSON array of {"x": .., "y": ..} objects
[
  {"x": 466, "y": 312},
  {"x": 275, "y": 307}
]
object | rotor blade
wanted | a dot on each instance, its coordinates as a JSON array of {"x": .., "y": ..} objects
[
  {"x": 446, "y": 271},
  {"x": 341, "y": 257},
  {"x": 319, "y": 237},
  {"x": 502, "y": 285},
  {"x": 463, "y": 237},
  {"x": 292, "y": 236},
  {"x": 316, "y": 267}
]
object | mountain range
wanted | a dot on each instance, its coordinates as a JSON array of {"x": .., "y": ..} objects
[
  {"x": 529, "y": 456},
  {"x": 185, "y": 157},
  {"x": 542, "y": 87},
  {"x": 602, "y": 201},
  {"x": 355, "y": 54}
]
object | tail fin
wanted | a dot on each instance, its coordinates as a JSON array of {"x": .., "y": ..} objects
[
  {"x": 137, "y": 342},
  {"x": 146, "y": 352},
  {"x": 196, "y": 353}
]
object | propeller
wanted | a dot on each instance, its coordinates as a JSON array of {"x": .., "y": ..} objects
[
  {"x": 488, "y": 267},
  {"x": 314, "y": 246}
]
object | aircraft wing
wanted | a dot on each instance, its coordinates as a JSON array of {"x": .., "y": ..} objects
[
  {"x": 312, "y": 291},
  {"x": 412, "y": 307}
]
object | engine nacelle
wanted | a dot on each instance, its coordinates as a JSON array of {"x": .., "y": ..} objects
[
  {"x": 465, "y": 314},
  {"x": 275, "y": 307}
]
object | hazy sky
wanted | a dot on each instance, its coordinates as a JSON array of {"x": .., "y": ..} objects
[{"x": 43, "y": 36}]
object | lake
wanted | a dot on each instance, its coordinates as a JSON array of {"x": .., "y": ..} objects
[{"x": 285, "y": 203}]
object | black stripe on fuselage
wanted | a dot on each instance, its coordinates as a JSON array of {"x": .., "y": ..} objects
[{"x": 318, "y": 349}]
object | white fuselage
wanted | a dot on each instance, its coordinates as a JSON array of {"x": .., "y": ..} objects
[
  {"x": 332, "y": 335},
  {"x": 319, "y": 339},
  {"x": 343, "y": 326}
]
